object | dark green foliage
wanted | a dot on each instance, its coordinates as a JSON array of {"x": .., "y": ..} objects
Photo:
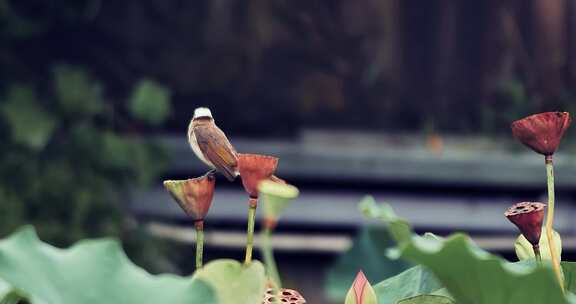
[
  {"x": 70, "y": 147},
  {"x": 150, "y": 102},
  {"x": 68, "y": 157},
  {"x": 435, "y": 66}
]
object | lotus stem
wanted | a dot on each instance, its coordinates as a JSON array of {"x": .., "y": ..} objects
[
  {"x": 252, "y": 203},
  {"x": 536, "y": 249},
  {"x": 550, "y": 220},
  {"x": 268, "y": 254},
  {"x": 199, "y": 225}
]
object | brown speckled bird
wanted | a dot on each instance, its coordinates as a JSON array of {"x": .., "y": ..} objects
[{"x": 210, "y": 144}]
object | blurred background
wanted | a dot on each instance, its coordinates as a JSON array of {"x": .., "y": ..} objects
[{"x": 409, "y": 101}]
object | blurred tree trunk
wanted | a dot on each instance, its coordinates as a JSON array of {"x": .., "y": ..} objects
[
  {"x": 498, "y": 60},
  {"x": 549, "y": 45},
  {"x": 446, "y": 63},
  {"x": 390, "y": 43},
  {"x": 387, "y": 71},
  {"x": 571, "y": 42}
]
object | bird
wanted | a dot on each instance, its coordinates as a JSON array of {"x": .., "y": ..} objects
[{"x": 211, "y": 145}]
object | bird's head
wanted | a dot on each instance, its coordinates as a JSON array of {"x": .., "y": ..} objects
[{"x": 202, "y": 113}]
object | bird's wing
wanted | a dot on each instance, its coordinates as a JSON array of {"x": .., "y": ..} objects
[{"x": 217, "y": 149}]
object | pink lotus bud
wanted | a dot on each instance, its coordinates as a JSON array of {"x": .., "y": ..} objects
[{"x": 361, "y": 291}]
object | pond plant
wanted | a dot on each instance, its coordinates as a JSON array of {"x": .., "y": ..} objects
[
  {"x": 446, "y": 270},
  {"x": 195, "y": 197},
  {"x": 542, "y": 133},
  {"x": 276, "y": 196},
  {"x": 253, "y": 169},
  {"x": 528, "y": 217}
]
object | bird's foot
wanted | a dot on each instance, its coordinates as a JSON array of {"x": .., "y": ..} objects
[{"x": 211, "y": 173}]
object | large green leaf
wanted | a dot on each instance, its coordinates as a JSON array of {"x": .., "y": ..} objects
[
  {"x": 427, "y": 299},
  {"x": 471, "y": 274},
  {"x": 31, "y": 125},
  {"x": 413, "y": 282},
  {"x": 9, "y": 295},
  {"x": 97, "y": 271},
  {"x": 569, "y": 270},
  {"x": 4, "y": 288},
  {"x": 400, "y": 229},
  {"x": 368, "y": 253},
  {"x": 234, "y": 283}
]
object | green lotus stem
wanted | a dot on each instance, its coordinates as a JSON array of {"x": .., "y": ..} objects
[
  {"x": 550, "y": 221},
  {"x": 253, "y": 202},
  {"x": 268, "y": 254},
  {"x": 199, "y": 225}
]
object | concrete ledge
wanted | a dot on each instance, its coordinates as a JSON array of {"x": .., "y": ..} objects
[
  {"x": 346, "y": 156},
  {"x": 301, "y": 242},
  {"x": 332, "y": 209}
]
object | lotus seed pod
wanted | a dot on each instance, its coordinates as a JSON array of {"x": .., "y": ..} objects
[
  {"x": 275, "y": 197},
  {"x": 253, "y": 169},
  {"x": 284, "y": 296},
  {"x": 528, "y": 217},
  {"x": 193, "y": 195},
  {"x": 542, "y": 132}
]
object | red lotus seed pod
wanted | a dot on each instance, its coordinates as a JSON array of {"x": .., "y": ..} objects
[
  {"x": 528, "y": 217},
  {"x": 254, "y": 168},
  {"x": 542, "y": 132},
  {"x": 193, "y": 195},
  {"x": 285, "y": 296}
]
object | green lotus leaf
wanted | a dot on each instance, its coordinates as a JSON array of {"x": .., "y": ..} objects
[
  {"x": 234, "y": 282},
  {"x": 470, "y": 274},
  {"x": 524, "y": 250},
  {"x": 98, "y": 271},
  {"x": 427, "y": 299},
  {"x": 368, "y": 252},
  {"x": 413, "y": 282},
  {"x": 399, "y": 228},
  {"x": 5, "y": 288},
  {"x": 569, "y": 271},
  {"x": 9, "y": 295},
  {"x": 276, "y": 197}
]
